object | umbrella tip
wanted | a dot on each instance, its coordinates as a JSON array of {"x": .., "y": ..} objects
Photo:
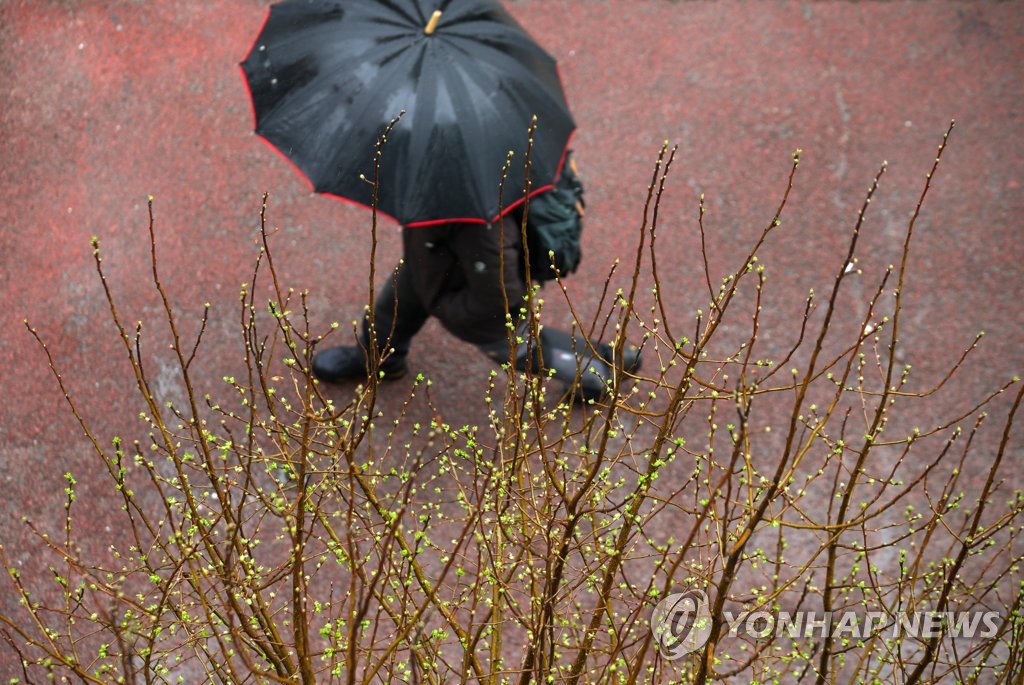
[{"x": 432, "y": 24}]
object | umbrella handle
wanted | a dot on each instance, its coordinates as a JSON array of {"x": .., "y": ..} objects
[{"x": 432, "y": 23}]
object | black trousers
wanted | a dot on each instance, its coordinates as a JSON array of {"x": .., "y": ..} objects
[
  {"x": 469, "y": 276},
  {"x": 461, "y": 273}
]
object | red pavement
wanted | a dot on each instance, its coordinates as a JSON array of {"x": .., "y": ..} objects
[{"x": 104, "y": 103}]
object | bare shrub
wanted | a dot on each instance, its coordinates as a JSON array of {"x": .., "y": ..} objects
[{"x": 273, "y": 533}]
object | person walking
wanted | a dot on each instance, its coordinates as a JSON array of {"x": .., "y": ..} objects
[{"x": 443, "y": 92}]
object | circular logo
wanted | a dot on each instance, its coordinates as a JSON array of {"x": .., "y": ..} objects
[{"x": 681, "y": 623}]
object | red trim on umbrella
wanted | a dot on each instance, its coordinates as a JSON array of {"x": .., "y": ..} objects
[
  {"x": 355, "y": 203},
  {"x": 436, "y": 222}
]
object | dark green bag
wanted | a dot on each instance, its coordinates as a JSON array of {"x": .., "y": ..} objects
[{"x": 554, "y": 224}]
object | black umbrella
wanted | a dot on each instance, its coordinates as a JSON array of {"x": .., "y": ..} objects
[{"x": 326, "y": 78}]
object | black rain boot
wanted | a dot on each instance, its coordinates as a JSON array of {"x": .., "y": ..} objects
[
  {"x": 348, "y": 362},
  {"x": 587, "y": 376}
]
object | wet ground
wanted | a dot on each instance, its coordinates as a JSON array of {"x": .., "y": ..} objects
[{"x": 107, "y": 103}]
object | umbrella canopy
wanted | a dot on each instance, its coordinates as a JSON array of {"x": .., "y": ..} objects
[{"x": 326, "y": 78}]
